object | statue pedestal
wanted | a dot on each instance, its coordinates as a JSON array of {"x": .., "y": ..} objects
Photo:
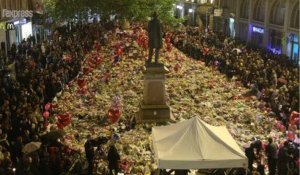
[{"x": 154, "y": 107}]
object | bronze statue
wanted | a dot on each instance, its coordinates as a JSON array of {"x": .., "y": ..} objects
[{"x": 154, "y": 37}]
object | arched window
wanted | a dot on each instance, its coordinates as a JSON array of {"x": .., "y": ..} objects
[
  {"x": 244, "y": 13},
  {"x": 295, "y": 17},
  {"x": 277, "y": 13},
  {"x": 230, "y": 4},
  {"x": 259, "y": 10}
]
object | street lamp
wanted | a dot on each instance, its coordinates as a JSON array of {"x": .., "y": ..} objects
[
  {"x": 180, "y": 10},
  {"x": 191, "y": 12},
  {"x": 209, "y": 11}
]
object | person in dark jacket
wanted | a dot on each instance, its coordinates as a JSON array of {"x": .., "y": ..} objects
[
  {"x": 113, "y": 158},
  {"x": 271, "y": 152},
  {"x": 251, "y": 156},
  {"x": 89, "y": 154},
  {"x": 283, "y": 159}
]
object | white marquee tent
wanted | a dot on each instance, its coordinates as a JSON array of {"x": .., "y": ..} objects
[{"x": 194, "y": 144}]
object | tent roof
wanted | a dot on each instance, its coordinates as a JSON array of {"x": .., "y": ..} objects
[{"x": 194, "y": 144}]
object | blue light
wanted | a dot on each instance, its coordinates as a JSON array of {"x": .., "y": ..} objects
[
  {"x": 275, "y": 51},
  {"x": 258, "y": 30}
]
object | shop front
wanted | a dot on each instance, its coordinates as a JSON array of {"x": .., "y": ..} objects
[
  {"x": 243, "y": 31},
  {"x": 275, "y": 41},
  {"x": 257, "y": 36},
  {"x": 23, "y": 29}
]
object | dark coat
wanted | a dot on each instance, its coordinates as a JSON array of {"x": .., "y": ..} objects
[
  {"x": 154, "y": 34},
  {"x": 113, "y": 157},
  {"x": 271, "y": 151}
]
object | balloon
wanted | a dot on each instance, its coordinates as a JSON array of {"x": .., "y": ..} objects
[
  {"x": 119, "y": 52},
  {"x": 291, "y": 135},
  {"x": 282, "y": 128},
  {"x": 46, "y": 124},
  {"x": 177, "y": 67},
  {"x": 294, "y": 118},
  {"x": 114, "y": 115},
  {"x": 63, "y": 120},
  {"x": 46, "y": 114},
  {"x": 81, "y": 83},
  {"x": 47, "y": 106},
  {"x": 169, "y": 47},
  {"x": 87, "y": 70}
]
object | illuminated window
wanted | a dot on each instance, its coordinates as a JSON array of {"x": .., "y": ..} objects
[{"x": 295, "y": 17}]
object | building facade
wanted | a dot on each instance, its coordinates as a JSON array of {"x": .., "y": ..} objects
[
  {"x": 270, "y": 24},
  {"x": 16, "y": 21}
]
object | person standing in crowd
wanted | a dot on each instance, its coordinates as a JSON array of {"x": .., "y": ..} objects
[
  {"x": 261, "y": 163},
  {"x": 89, "y": 154},
  {"x": 271, "y": 152},
  {"x": 113, "y": 158},
  {"x": 251, "y": 156},
  {"x": 283, "y": 159}
]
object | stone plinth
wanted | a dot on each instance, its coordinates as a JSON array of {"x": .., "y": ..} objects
[{"x": 154, "y": 106}]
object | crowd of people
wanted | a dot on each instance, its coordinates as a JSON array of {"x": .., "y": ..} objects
[
  {"x": 33, "y": 73},
  {"x": 273, "y": 79},
  {"x": 30, "y": 76}
]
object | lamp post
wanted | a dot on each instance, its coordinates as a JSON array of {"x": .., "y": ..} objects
[
  {"x": 180, "y": 8},
  {"x": 191, "y": 12},
  {"x": 209, "y": 11}
]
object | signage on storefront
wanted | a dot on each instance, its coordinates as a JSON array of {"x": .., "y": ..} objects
[
  {"x": 17, "y": 13},
  {"x": 20, "y": 22},
  {"x": 258, "y": 30},
  {"x": 10, "y": 26}
]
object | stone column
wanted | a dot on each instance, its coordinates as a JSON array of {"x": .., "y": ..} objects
[
  {"x": 287, "y": 18},
  {"x": 237, "y": 16},
  {"x": 250, "y": 16},
  {"x": 211, "y": 21},
  {"x": 154, "y": 106}
]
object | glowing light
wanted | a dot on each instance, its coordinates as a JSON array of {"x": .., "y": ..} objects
[
  {"x": 179, "y": 7},
  {"x": 258, "y": 30}
]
